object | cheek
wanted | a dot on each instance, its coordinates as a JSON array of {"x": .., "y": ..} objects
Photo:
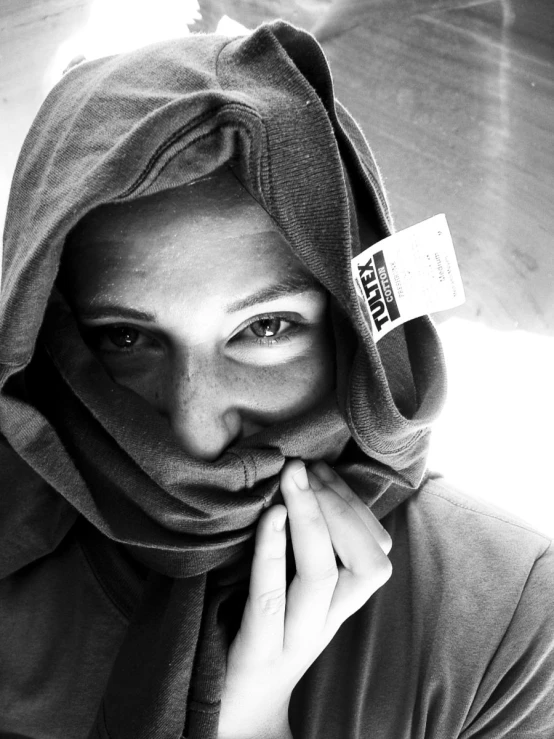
[
  {"x": 318, "y": 373},
  {"x": 147, "y": 379},
  {"x": 284, "y": 391},
  {"x": 267, "y": 394}
]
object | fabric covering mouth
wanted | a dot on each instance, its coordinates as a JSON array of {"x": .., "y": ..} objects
[{"x": 121, "y": 128}]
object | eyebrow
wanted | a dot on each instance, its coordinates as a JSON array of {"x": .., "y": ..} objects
[
  {"x": 292, "y": 285},
  {"x": 113, "y": 310},
  {"x": 295, "y": 284}
]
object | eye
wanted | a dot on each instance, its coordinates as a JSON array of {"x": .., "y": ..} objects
[
  {"x": 269, "y": 330},
  {"x": 122, "y": 337},
  {"x": 286, "y": 334},
  {"x": 266, "y": 327},
  {"x": 117, "y": 338}
]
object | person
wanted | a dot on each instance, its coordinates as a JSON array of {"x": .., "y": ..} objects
[{"x": 205, "y": 455}]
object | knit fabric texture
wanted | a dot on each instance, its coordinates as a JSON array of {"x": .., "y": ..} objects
[{"x": 124, "y": 127}]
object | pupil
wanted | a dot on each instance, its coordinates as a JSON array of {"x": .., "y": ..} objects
[
  {"x": 122, "y": 337},
  {"x": 266, "y": 327}
]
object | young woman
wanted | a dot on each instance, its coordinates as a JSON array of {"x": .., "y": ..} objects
[{"x": 205, "y": 455}]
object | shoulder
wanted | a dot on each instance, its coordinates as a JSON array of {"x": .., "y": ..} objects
[
  {"x": 484, "y": 582},
  {"x": 34, "y": 518},
  {"x": 473, "y": 562},
  {"x": 460, "y": 641},
  {"x": 462, "y": 522}
]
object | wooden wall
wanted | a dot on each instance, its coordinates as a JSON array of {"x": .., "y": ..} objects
[{"x": 456, "y": 99}]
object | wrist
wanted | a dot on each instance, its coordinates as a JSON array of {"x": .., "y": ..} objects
[{"x": 268, "y": 724}]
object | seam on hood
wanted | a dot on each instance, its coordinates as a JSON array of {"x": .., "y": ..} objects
[
  {"x": 294, "y": 69},
  {"x": 189, "y": 127}
]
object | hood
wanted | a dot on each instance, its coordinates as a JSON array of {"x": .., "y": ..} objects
[{"x": 127, "y": 126}]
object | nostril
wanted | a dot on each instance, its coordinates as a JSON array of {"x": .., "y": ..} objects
[
  {"x": 249, "y": 428},
  {"x": 203, "y": 433},
  {"x": 233, "y": 422}
]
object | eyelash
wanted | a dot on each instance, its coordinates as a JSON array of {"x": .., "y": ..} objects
[
  {"x": 294, "y": 325},
  {"x": 94, "y": 335},
  {"x": 270, "y": 340}
]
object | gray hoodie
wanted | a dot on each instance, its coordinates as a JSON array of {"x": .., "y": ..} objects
[{"x": 114, "y": 542}]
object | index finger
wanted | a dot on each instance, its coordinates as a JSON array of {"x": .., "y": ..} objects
[
  {"x": 330, "y": 478},
  {"x": 309, "y": 532}
]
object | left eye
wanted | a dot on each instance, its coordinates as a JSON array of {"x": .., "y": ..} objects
[
  {"x": 122, "y": 337},
  {"x": 115, "y": 339},
  {"x": 265, "y": 328}
]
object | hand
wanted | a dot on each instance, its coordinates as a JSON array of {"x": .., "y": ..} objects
[{"x": 282, "y": 632}]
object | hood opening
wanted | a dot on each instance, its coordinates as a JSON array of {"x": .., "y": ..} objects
[{"x": 123, "y": 127}]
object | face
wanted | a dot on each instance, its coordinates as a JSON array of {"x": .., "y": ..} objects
[{"x": 193, "y": 299}]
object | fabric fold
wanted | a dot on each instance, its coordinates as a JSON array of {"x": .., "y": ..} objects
[{"x": 136, "y": 124}]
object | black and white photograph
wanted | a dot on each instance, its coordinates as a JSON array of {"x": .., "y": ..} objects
[{"x": 276, "y": 369}]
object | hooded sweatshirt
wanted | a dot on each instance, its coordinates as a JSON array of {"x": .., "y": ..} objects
[{"x": 123, "y": 561}]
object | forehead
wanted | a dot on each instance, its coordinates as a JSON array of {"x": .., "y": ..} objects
[
  {"x": 209, "y": 235},
  {"x": 217, "y": 204}
]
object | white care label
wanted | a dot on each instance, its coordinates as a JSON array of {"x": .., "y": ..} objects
[{"x": 409, "y": 274}]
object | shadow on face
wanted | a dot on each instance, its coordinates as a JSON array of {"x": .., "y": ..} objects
[{"x": 193, "y": 299}]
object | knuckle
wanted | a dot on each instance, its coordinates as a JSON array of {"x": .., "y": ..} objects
[
  {"x": 324, "y": 471},
  {"x": 270, "y": 547},
  {"x": 375, "y": 574},
  {"x": 323, "y": 579},
  {"x": 274, "y": 550},
  {"x": 335, "y": 506},
  {"x": 272, "y": 602},
  {"x": 346, "y": 491},
  {"x": 386, "y": 569},
  {"x": 381, "y": 572},
  {"x": 313, "y": 516},
  {"x": 385, "y": 541}
]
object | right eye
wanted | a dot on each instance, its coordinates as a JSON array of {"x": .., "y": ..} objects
[
  {"x": 123, "y": 337},
  {"x": 116, "y": 338}
]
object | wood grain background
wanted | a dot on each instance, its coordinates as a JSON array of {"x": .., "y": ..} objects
[{"x": 456, "y": 100}]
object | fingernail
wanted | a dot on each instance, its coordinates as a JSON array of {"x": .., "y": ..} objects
[
  {"x": 280, "y": 521},
  {"x": 300, "y": 478},
  {"x": 324, "y": 472},
  {"x": 385, "y": 532},
  {"x": 315, "y": 482}
]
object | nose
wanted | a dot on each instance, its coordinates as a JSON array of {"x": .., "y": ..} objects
[{"x": 202, "y": 410}]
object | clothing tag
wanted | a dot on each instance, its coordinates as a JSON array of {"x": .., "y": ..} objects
[{"x": 408, "y": 274}]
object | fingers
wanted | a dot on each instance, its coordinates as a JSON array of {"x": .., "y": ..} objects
[
  {"x": 262, "y": 627},
  {"x": 365, "y": 566},
  {"x": 326, "y": 519},
  {"x": 311, "y": 591},
  {"x": 355, "y": 535},
  {"x": 282, "y": 632},
  {"x": 329, "y": 477},
  {"x": 313, "y": 552}
]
